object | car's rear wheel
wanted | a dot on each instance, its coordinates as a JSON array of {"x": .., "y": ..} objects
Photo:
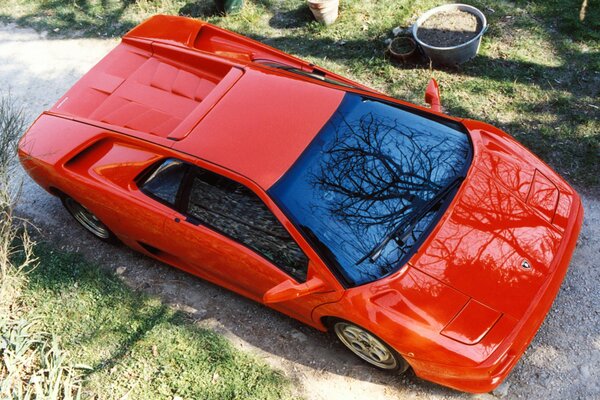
[
  {"x": 369, "y": 347},
  {"x": 88, "y": 220}
]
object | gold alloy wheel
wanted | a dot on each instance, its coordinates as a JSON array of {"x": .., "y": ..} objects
[
  {"x": 88, "y": 220},
  {"x": 365, "y": 345}
]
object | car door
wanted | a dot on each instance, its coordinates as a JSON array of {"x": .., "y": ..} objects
[{"x": 222, "y": 231}]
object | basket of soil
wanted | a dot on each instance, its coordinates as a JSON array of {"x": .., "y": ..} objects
[
  {"x": 450, "y": 34},
  {"x": 402, "y": 48}
]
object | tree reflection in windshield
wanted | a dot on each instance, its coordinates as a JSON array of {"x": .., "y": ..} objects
[{"x": 369, "y": 170}]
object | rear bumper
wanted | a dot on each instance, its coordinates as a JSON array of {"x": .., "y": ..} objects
[{"x": 490, "y": 373}]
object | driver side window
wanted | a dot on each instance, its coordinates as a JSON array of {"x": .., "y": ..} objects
[
  {"x": 235, "y": 211},
  {"x": 228, "y": 208}
]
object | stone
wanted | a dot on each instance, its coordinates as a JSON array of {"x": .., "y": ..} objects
[
  {"x": 502, "y": 390},
  {"x": 188, "y": 309},
  {"x": 299, "y": 336},
  {"x": 585, "y": 371}
]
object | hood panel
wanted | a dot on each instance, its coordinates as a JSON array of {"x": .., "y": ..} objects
[{"x": 480, "y": 248}]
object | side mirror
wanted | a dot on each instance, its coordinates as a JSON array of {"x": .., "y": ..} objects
[
  {"x": 432, "y": 96},
  {"x": 289, "y": 290}
]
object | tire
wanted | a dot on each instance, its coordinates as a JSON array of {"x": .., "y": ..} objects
[
  {"x": 368, "y": 347},
  {"x": 88, "y": 220}
]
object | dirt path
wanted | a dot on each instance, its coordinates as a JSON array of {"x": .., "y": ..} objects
[{"x": 563, "y": 361}]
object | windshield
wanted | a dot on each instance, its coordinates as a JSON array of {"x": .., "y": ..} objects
[{"x": 372, "y": 169}]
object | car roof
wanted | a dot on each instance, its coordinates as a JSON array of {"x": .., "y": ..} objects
[
  {"x": 196, "y": 88},
  {"x": 262, "y": 125}
]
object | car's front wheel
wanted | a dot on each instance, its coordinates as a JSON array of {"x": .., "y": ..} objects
[
  {"x": 369, "y": 347},
  {"x": 88, "y": 220}
]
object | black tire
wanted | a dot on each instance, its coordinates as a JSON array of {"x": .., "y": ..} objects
[
  {"x": 368, "y": 346},
  {"x": 88, "y": 220}
]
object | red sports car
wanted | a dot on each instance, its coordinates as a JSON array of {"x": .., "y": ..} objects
[{"x": 419, "y": 239}]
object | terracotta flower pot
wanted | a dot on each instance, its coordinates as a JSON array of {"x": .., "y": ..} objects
[
  {"x": 325, "y": 11},
  {"x": 402, "y": 48}
]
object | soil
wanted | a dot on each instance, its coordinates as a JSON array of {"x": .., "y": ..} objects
[
  {"x": 449, "y": 28},
  {"x": 402, "y": 45},
  {"x": 561, "y": 363}
]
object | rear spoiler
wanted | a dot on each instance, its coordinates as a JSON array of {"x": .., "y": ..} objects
[
  {"x": 205, "y": 37},
  {"x": 200, "y": 35}
]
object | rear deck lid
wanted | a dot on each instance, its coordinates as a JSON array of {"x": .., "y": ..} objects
[{"x": 152, "y": 88}]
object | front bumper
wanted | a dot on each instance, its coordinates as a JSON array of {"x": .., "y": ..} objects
[{"x": 490, "y": 373}]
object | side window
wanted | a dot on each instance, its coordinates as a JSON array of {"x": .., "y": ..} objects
[
  {"x": 164, "y": 182},
  {"x": 237, "y": 212}
]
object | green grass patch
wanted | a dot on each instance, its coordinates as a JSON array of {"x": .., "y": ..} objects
[
  {"x": 537, "y": 75},
  {"x": 133, "y": 343}
]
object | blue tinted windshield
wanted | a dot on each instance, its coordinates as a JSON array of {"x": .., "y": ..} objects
[{"x": 371, "y": 169}]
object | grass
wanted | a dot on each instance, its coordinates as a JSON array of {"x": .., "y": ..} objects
[
  {"x": 537, "y": 75},
  {"x": 70, "y": 329},
  {"x": 32, "y": 364},
  {"x": 134, "y": 345}
]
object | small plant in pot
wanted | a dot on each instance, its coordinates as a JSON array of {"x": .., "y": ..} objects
[
  {"x": 324, "y": 11},
  {"x": 402, "y": 48}
]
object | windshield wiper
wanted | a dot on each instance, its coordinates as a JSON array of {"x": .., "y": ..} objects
[{"x": 402, "y": 230}]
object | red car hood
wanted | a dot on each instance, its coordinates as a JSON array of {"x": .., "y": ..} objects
[{"x": 498, "y": 241}]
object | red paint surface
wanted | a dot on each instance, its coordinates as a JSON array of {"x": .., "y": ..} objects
[{"x": 463, "y": 309}]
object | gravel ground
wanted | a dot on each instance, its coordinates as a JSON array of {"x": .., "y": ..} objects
[{"x": 562, "y": 362}]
